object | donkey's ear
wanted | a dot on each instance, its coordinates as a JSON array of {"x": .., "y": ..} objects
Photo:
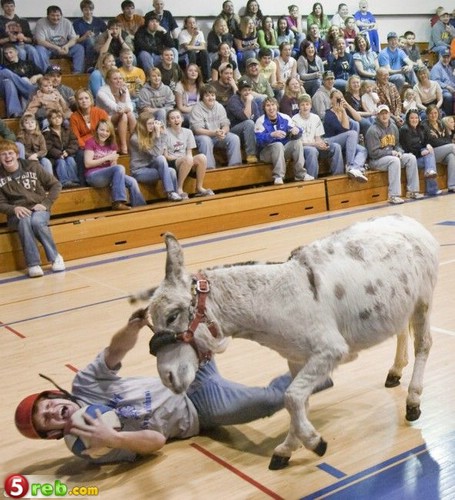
[{"x": 174, "y": 259}]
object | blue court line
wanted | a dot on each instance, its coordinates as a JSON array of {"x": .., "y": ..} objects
[
  {"x": 207, "y": 240},
  {"x": 446, "y": 223},
  {"x": 331, "y": 470}
]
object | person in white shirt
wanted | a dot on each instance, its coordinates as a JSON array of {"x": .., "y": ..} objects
[{"x": 193, "y": 46}]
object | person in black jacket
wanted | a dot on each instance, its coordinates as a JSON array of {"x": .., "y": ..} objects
[{"x": 149, "y": 42}]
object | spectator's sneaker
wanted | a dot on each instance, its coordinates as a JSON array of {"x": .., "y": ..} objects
[
  {"x": 278, "y": 181},
  {"x": 431, "y": 174},
  {"x": 173, "y": 196},
  {"x": 252, "y": 159},
  {"x": 436, "y": 193},
  {"x": 396, "y": 200},
  {"x": 58, "y": 264},
  {"x": 414, "y": 195},
  {"x": 451, "y": 189},
  {"x": 35, "y": 272},
  {"x": 204, "y": 192},
  {"x": 357, "y": 175},
  {"x": 308, "y": 177},
  {"x": 120, "y": 205}
]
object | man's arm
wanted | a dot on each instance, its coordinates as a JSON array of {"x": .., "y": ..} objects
[{"x": 125, "y": 339}]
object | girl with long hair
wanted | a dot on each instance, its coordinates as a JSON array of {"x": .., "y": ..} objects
[{"x": 188, "y": 90}]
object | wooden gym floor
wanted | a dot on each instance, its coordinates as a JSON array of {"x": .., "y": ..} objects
[{"x": 56, "y": 324}]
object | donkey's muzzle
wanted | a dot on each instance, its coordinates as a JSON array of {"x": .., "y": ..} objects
[{"x": 160, "y": 340}]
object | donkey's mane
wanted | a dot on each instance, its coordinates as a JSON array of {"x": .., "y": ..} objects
[{"x": 245, "y": 263}]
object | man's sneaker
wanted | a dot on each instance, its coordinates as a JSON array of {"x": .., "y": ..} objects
[
  {"x": 35, "y": 272},
  {"x": 357, "y": 175},
  {"x": 396, "y": 200},
  {"x": 252, "y": 159},
  {"x": 58, "y": 264},
  {"x": 431, "y": 174},
  {"x": 308, "y": 177},
  {"x": 173, "y": 196},
  {"x": 278, "y": 181},
  {"x": 451, "y": 190},
  {"x": 414, "y": 195},
  {"x": 436, "y": 193}
]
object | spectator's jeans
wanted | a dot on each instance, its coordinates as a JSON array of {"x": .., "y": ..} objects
[
  {"x": 31, "y": 230},
  {"x": 66, "y": 170},
  {"x": 245, "y": 130},
  {"x": 335, "y": 154},
  {"x": 77, "y": 55},
  {"x": 356, "y": 155},
  {"x": 12, "y": 89},
  {"x": 393, "y": 166},
  {"x": 115, "y": 177},
  {"x": 36, "y": 53},
  {"x": 231, "y": 143},
  {"x": 158, "y": 170},
  {"x": 149, "y": 60},
  {"x": 446, "y": 154},
  {"x": 276, "y": 153}
]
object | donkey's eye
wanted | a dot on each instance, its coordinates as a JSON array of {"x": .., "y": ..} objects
[{"x": 171, "y": 318}]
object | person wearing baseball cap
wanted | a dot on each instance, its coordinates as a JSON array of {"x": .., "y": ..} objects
[
  {"x": 321, "y": 98},
  {"x": 442, "y": 72},
  {"x": 442, "y": 33},
  {"x": 400, "y": 66},
  {"x": 261, "y": 88},
  {"x": 386, "y": 154}
]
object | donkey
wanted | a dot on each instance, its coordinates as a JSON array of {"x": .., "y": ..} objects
[{"x": 329, "y": 300}]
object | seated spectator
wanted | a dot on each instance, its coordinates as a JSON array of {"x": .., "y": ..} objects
[
  {"x": 267, "y": 37},
  {"x": 155, "y": 97},
  {"x": 242, "y": 111},
  {"x": 225, "y": 86},
  {"x": 401, "y": 68},
  {"x": 278, "y": 139},
  {"x": 150, "y": 41},
  {"x": 171, "y": 72},
  {"x": 369, "y": 97},
  {"x": 179, "y": 155},
  {"x": 193, "y": 47},
  {"x": 56, "y": 34},
  {"x": 246, "y": 41},
  {"x": 229, "y": 15},
  {"x": 8, "y": 135},
  {"x": 267, "y": 68},
  {"x": 33, "y": 141},
  {"x": 148, "y": 162},
  {"x": 320, "y": 45},
  {"x": 314, "y": 144},
  {"x": 88, "y": 28},
  {"x": 128, "y": 20},
  {"x": 114, "y": 98},
  {"x": 413, "y": 140},
  {"x": 354, "y": 99},
  {"x": 210, "y": 125},
  {"x": 340, "y": 17},
  {"x": 321, "y": 98},
  {"x": 389, "y": 95},
  {"x": 411, "y": 49},
  {"x": 17, "y": 81},
  {"x": 102, "y": 169},
  {"x": 294, "y": 20},
  {"x": 97, "y": 77},
  {"x": 341, "y": 63},
  {"x": 332, "y": 36},
  {"x": 260, "y": 86},
  {"x": 16, "y": 31},
  {"x": 310, "y": 68},
  {"x": 318, "y": 18},
  {"x": 27, "y": 193},
  {"x": 55, "y": 72},
  {"x": 253, "y": 11},
  {"x": 442, "y": 72},
  {"x": 427, "y": 91},
  {"x": 224, "y": 57},
  {"x": 441, "y": 140},
  {"x": 337, "y": 126},
  {"x": 365, "y": 60},
  {"x": 434, "y": 19},
  {"x": 449, "y": 124},
  {"x": 133, "y": 76},
  {"x": 45, "y": 99},
  {"x": 386, "y": 154},
  {"x": 286, "y": 65},
  {"x": 289, "y": 104},
  {"x": 366, "y": 22},
  {"x": 187, "y": 91},
  {"x": 217, "y": 35},
  {"x": 113, "y": 40},
  {"x": 284, "y": 34},
  {"x": 442, "y": 34},
  {"x": 166, "y": 20},
  {"x": 62, "y": 146},
  {"x": 410, "y": 102},
  {"x": 351, "y": 32}
]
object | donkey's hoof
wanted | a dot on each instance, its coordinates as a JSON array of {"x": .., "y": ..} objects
[
  {"x": 392, "y": 380},
  {"x": 321, "y": 448},
  {"x": 412, "y": 413},
  {"x": 277, "y": 462}
]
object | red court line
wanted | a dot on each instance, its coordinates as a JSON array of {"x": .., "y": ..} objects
[
  {"x": 246, "y": 478},
  {"x": 72, "y": 368},
  {"x": 12, "y": 330}
]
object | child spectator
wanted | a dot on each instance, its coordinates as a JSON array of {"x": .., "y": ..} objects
[
  {"x": 102, "y": 170},
  {"x": 411, "y": 49},
  {"x": 409, "y": 100},
  {"x": 366, "y": 22},
  {"x": 61, "y": 146},
  {"x": 45, "y": 99},
  {"x": 370, "y": 98},
  {"x": 33, "y": 141},
  {"x": 133, "y": 76}
]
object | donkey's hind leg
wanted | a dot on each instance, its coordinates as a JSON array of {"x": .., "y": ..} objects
[
  {"x": 422, "y": 344},
  {"x": 400, "y": 361}
]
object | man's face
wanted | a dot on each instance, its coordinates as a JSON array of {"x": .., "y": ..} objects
[
  {"x": 54, "y": 17},
  {"x": 127, "y": 60},
  {"x": 445, "y": 18},
  {"x": 228, "y": 8},
  {"x": 271, "y": 109},
  {"x": 53, "y": 414},
  {"x": 227, "y": 76},
  {"x": 128, "y": 11},
  {"x": 8, "y": 160},
  {"x": 305, "y": 108},
  {"x": 266, "y": 60},
  {"x": 9, "y": 9},
  {"x": 87, "y": 12},
  {"x": 153, "y": 25},
  {"x": 393, "y": 42},
  {"x": 253, "y": 69},
  {"x": 245, "y": 92},
  {"x": 382, "y": 77},
  {"x": 314, "y": 31},
  {"x": 328, "y": 83},
  {"x": 209, "y": 99},
  {"x": 445, "y": 60},
  {"x": 384, "y": 118},
  {"x": 158, "y": 5},
  {"x": 167, "y": 57}
]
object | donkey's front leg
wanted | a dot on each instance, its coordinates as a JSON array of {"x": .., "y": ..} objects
[{"x": 301, "y": 431}]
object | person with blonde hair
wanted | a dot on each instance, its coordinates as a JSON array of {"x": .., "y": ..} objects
[
  {"x": 147, "y": 159},
  {"x": 97, "y": 77},
  {"x": 155, "y": 97}
]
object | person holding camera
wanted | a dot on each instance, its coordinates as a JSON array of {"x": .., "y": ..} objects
[{"x": 341, "y": 63}]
